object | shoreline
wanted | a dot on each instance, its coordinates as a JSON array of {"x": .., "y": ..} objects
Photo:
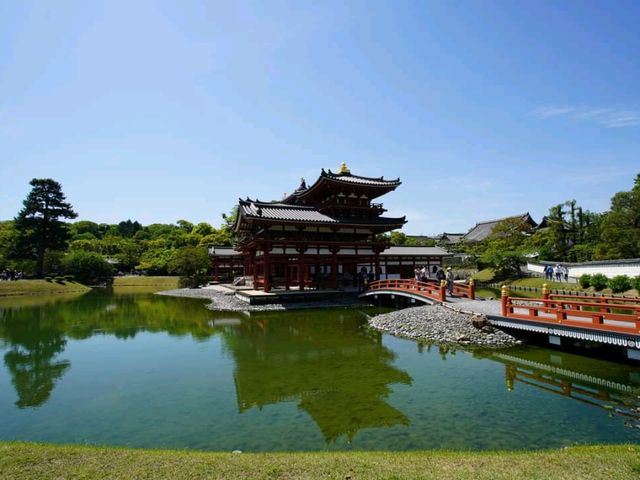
[
  {"x": 34, "y": 288},
  {"x": 225, "y": 301}
]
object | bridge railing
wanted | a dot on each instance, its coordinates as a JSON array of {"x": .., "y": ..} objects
[
  {"x": 467, "y": 290},
  {"x": 430, "y": 288},
  {"x": 603, "y": 316},
  {"x": 598, "y": 299}
]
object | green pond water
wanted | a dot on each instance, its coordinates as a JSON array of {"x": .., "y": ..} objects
[{"x": 137, "y": 369}]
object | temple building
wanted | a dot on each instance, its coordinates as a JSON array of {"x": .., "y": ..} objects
[{"x": 321, "y": 236}]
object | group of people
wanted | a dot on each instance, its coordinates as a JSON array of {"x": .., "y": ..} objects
[
  {"x": 11, "y": 275},
  {"x": 365, "y": 278},
  {"x": 557, "y": 273},
  {"x": 423, "y": 274}
]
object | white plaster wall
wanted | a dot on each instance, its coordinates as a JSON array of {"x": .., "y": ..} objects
[{"x": 609, "y": 270}]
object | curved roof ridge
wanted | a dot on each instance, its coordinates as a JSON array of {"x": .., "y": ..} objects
[
  {"x": 275, "y": 203},
  {"x": 331, "y": 174},
  {"x": 503, "y": 218}
]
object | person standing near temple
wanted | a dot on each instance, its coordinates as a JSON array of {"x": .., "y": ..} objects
[{"x": 449, "y": 278}]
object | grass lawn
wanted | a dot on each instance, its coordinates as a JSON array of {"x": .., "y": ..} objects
[
  {"x": 485, "y": 276},
  {"x": 538, "y": 282},
  {"x": 165, "y": 283},
  {"x": 39, "y": 287},
  {"x": 37, "y": 461}
]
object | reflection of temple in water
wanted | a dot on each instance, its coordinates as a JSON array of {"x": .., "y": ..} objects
[
  {"x": 612, "y": 387},
  {"x": 339, "y": 373}
]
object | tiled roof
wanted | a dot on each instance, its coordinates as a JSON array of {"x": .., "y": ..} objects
[
  {"x": 483, "y": 229},
  {"x": 415, "y": 251},
  {"x": 347, "y": 177},
  {"x": 279, "y": 211},
  {"x": 296, "y": 213}
]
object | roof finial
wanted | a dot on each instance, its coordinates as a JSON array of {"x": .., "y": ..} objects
[{"x": 344, "y": 168}]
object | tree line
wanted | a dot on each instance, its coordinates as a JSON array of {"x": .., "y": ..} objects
[
  {"x": 569, "y": 233},
  {"x": 41, "y": 241}
]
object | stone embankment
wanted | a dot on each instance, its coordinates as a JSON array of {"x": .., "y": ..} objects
[
  {"x": 223, "y": 299},
  {"x": 442, "y": 325}
]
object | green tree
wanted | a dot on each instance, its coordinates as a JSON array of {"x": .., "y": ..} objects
[
  {"x": 190, "y": 262},
  {"x": 8, "y": 242},
  {"x": 221, "y": 237},
  {"x": 84, "y": 227},
  {"x": 86, "y": 267},
  {"x": 621, "y": 226},
  {"x": 129, "y": 255},
  {"x": 154, "y": 261},
  {"x": 203, "y": 229},
  {"x": 128, "y": 228},
  {"x": 185, "y": 226},
  {"x": 397, "y": 238},
  {"x": 39, "y": 224}
]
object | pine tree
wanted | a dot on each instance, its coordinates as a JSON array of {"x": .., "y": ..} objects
[{"x": 38, "y": 223}]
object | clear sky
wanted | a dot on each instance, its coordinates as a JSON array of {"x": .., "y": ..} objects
[{"x": 157, "y": 111}]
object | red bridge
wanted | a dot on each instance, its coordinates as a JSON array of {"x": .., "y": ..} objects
[
  {"x": 602, "y": 319},
  {"x": 429, "y": 291}
]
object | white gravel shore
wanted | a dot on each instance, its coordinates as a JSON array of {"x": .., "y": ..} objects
[{"x": 441, "y": 325}]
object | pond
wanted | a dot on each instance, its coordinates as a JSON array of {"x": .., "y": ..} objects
[{"x": 137, "y": 369}]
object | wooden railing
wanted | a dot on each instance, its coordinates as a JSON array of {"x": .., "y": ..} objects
[
  {"x": 430, "y": 288},
  {"x": 467, "y": 290},
  {"x": 598, "y": 299},
  {"x": 574, "y": 312}
]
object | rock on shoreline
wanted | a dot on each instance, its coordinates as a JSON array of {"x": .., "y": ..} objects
[{"x": 441, "y": 325}]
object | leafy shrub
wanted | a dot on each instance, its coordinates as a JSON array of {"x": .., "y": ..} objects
[
  {"x": 48, "y": 279},
  {"x": 599, "y": 281},
  {"x": 70, "y": 278},
  {"x": 585, "y": 280},
  {"x": 59, "y": 279},
  {"x": 636, "y": 283},
  {"x": 87, "y": 267},
  {"x": 620, "y": 283}
]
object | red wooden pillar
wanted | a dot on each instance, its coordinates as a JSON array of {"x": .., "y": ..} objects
[
  {"x": 266, "y": 269},
  {"x": 301, "y": 269},
  {"x": 254, "y": 268},
  {"x": 334, "y": 269},
  {"x": 472, "y": 289},
  {"x": 286, "y": 273},
  {"x": 247, "y": 261}
]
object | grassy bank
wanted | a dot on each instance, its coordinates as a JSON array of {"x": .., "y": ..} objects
[
  {"x": 40, "y": 287},
  {"x": 165, "y": 283},
  {"x": 27, "y": 461}
]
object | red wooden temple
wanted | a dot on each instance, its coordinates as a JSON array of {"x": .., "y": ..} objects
[{"x": 321, "y": 236}]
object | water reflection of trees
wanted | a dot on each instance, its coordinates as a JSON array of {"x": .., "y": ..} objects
[
  {"x": 36, "y": 335},
  {"x": 338, "y": 372},
  {"x": 32, "y": 364}
]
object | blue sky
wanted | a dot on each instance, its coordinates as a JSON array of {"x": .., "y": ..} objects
[{"x": 158, "y": 111}]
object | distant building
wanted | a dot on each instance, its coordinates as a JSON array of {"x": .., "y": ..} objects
[
  {"x": 483, "y": 230},
  {"x": 450, "y": 238}
]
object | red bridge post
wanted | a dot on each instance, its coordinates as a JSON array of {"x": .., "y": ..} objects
[
  {"x": 504, "y": 297},
  {"x": 472, "y": 289},
  {"x": 443, "y": 291}
]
